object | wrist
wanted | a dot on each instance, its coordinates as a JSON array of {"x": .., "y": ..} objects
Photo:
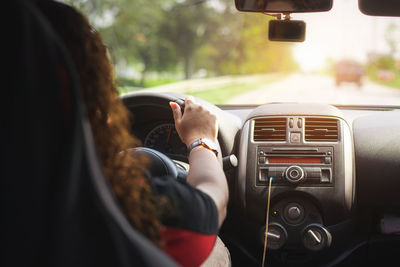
[
  {"x": 193, "y": 138},
  {"x": 205, "y": 143}
]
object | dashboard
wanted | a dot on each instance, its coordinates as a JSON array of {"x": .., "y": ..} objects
[
  {"x": 162, "y": 136},
  {"x": 334, "y": 175}
]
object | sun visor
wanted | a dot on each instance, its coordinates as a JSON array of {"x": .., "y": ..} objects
[{"x": 390, "y": 8}]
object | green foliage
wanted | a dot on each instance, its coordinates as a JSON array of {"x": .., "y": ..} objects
[
  {"x": 223, "y": 94},
  {"x": 239, "y": 45},
  {"x": 391, "y": 37},
  {"x": 384, "y": 63},
  {"x": 154, "y": 36},
  {"x": 380, "y": 66},
  {"x": 150, "y": 82}
]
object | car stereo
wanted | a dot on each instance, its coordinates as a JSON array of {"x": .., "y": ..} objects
[{"x": 295, "y": 165}]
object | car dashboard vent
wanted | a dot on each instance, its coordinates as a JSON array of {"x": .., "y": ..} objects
[
  {"x": 321, "y": 130},
  {"x": 270, "y": 129}
]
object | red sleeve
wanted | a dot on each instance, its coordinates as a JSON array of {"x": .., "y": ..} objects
[
  {"x": 187, "y": 248},
  {"x": 191, "y": 226}
]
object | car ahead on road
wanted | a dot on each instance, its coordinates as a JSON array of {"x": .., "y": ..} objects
[
  {"x": 334, "y": 197},
  {"x": 349, "y": 71}
]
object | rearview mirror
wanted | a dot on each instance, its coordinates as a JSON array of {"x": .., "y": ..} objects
[
  {"x": 283, "y": 6},
  {"x": 380, "y": 8},
  {"x": 287, "y": 30}
]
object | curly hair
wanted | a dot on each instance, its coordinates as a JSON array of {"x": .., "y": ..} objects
[{"x": 109, "y": 118}]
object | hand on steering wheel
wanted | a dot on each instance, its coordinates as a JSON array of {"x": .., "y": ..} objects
[{"x": 196, "y": 122}]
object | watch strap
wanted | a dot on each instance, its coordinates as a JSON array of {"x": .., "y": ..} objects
[{"x": 200, "y": 142}]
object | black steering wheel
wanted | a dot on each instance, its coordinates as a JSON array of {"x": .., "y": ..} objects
[{"x": 160, "y": 165}]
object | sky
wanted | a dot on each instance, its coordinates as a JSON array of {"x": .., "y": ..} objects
[{"x": 343, "y": 32}]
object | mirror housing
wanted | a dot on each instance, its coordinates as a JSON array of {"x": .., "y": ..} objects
[
  {"x": 287, "y": 30},
  {"x": 283, "y": 6},
  {"x": 390, "y": 8}
]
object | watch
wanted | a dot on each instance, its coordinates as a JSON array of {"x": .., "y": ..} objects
[{"x": 206, "y": 143}]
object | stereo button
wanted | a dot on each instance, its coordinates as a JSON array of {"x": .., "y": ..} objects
[
  {"x": 263, "y": 174},
  {"x": 326, "y": 176},
  {"x": 328, "y": 160}
]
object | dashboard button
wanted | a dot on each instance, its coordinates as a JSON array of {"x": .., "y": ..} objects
[
  {"x": 263, "y": 174},
  {"x": 294, "y": 137},
  {"x": 328, "y": 160},
  {"x": 291, "y": 123},
  {"x": 300, "y": 123},
  {"x": 326, "y": 176}
]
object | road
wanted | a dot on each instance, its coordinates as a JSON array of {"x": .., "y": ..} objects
[
  {"x": 195, "y": 85},
  {"x": 314, "y": 88}
]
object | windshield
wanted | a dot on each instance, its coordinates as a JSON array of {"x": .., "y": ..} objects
[{"x": 208, "y": 49}]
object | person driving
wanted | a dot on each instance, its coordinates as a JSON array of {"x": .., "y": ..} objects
[{"x": 182, "y": 218}]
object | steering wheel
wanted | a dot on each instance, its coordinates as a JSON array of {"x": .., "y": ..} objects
[{"x": 161, "y": 165}]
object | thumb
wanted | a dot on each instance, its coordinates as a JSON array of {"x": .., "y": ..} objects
[{"x": 176, "y": 111}]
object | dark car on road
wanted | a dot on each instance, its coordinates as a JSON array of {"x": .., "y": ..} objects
[{"x": 349, "y": 71}]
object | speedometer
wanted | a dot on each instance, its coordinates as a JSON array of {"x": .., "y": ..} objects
[{"x": 164, "y": 138}]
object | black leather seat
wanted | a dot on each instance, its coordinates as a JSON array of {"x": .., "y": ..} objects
[{"x": 57, "y": 208}]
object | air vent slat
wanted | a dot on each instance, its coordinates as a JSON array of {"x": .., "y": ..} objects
[
  {"x": 270, "y": 129},
  {"x": 323, "y": 126},
  {"x": 321, "y": 130},
  {"x": 320, "y": 122}
]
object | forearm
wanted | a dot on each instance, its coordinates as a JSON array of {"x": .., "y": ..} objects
[{"x": 206, "y": 174}]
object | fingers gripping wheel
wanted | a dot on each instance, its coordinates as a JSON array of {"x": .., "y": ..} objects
[
  {"x": 160, "y": 165},
  {"x": 181, "y": 103}
]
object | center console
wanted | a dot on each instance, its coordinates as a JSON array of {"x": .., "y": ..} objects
[{"x": 307, "y": 151}]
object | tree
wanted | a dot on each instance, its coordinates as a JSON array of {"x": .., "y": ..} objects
[
  {"x": 137, "y": 34},
  {"x": 163, "y": 35},
  {"x": 185, "y": 27},
  {"x": 391, "y": 38},
  {"x": 134, "y": 32},
  {"x": 241, "y": 46}
]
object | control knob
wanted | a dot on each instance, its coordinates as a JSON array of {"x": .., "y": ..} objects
[
  {"x": 294, "y": 174},
  {"x": 316, "y": 237},
  {"x": 294, "y": 213},
  {"x": 277, "y": 236}
]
